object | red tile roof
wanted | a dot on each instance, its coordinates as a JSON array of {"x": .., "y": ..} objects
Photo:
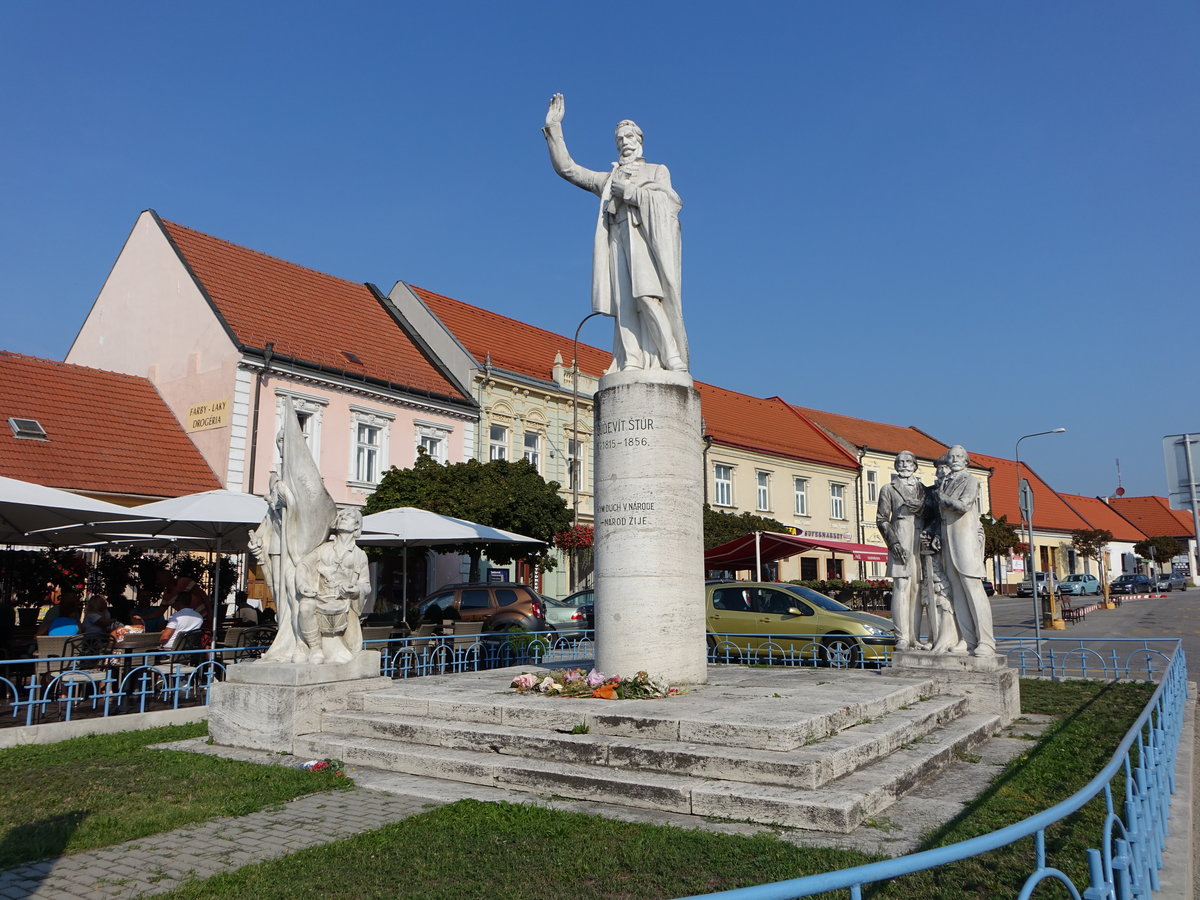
[
  {"x": 1154, "y": 516},
  {"x": 877, "y": 435},
  {"x": 1100, "y": 515},
  {"x": 513, "y": 346},
  {"x": 309, "y": 316},
  {"x": 769, "y": 425},
  {"x": 108, "y": 433},
  {"x": 1050, "y": 511}
]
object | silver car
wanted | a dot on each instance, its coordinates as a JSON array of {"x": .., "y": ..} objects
[{"x": 1169, "y": 581}]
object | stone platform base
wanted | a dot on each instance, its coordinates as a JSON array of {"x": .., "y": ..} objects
[
  {"x": 987, "y": 680},
  {"x": 805, "y": 748},
  {"x": 264, "y": 705}
]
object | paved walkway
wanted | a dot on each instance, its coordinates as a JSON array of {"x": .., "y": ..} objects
[{"x": 161, "y": 862}]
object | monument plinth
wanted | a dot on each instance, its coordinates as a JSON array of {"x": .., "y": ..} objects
[{"x": 649, "y": 527}]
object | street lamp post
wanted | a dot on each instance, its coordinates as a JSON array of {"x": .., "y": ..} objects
[
  {"x": 1022, "y": 497},
  {"x": 573, "y": 448}
]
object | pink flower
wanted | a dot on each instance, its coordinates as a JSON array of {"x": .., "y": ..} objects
[
  {"x": 525, "y": 682},
  {"x": 595, "y": 679}
]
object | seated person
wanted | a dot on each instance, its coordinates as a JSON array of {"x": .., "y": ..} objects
[
  {"x": 97, "y": 619},
  {"x": 243, "y": 612},
  {"x": 185, "y": 620},
  {"x": 62, "y": 620}
]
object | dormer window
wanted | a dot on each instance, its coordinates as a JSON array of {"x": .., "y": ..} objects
[{"x": 27, "y": 429}]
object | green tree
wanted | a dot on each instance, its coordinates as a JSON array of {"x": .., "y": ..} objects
[
  {"x": 1160, "y": 549},
  {"x": 500, "y": 493},
  {"x": 1000, "y": 537},
  {"x": 1090, "y": 543},
  {"x": 721, "y": 527}
]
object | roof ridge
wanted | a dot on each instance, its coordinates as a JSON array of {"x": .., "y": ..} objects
[
  {"x": 278, "y": 259},
  {"x": 498, "y": 315},
  {"x": 68, "y": 365},
  {"x": 817, "y": 428}
]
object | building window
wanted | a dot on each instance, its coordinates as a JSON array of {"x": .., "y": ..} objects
[
  {"x": 723, "y": 481},
  {"x": 435, "y": 447},
  {"x": 533, "y": 443},
  {"x": 498, "y": 442},
  {"x": 808, "y": 568},
  {"x": 434, "y": 439},
  {"x": 837, "y": 501},
  {"x": 801, "y": 489},
  {"x": 368, "y": 445},
  {"x": 366, "y": 454},
  {"x": 309, "y": 412},
  {"x": 575, "y": 462},
  {"x": 763, "y": 480},
  {"x": 872, "y": 485},
  {"x": 833, "y": 569}
]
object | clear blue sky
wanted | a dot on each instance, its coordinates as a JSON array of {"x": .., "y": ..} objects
[{"x": 982, "y": 219}]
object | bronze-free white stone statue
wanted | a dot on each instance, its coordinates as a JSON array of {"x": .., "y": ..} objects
[
  {"x": 333, "y": 582},
  {"x": 898, "y": 516},
  {"x": 636, "y": 270},
  {"x": 962, "y": 544}
]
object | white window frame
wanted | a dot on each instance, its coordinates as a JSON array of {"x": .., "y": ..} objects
[
  {"x": 364, "y": 417},
  {"x": 763, "y": 484},
  {"x": 722, "y": 487},
  {"x": 575, "y": 463},
  {"x": 532, "y": 455},
  {"x": 872, "y": 485},
  {"x": 435, "y": 433},
  {"x": 498, "y": 449},
  {"x": 311, "y": 412},
  {"x": 837, "y": 500},
  {"x": 800, "y": 492}
]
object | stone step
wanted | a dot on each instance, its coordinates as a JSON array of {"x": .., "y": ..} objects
[
  {"x": 810, "y": 766},
  {"x": 839, "y": 806},
  {"x": 727, "y": 715}
]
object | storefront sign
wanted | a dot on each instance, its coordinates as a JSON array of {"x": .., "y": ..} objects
[{"x": 203, "y": 416}]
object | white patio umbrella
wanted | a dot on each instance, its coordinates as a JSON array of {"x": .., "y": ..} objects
[
  {"x": 32, "y": 513},
  {"x": 408, "y": 526},
  {"x": 219, "y": 520}
]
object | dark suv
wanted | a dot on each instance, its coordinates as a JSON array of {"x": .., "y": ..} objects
[{"x": 498, "y": 605}]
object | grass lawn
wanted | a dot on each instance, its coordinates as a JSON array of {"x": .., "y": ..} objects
[
  {"x": 100, "y": 790},
  {"x": 476, "y": 850}
]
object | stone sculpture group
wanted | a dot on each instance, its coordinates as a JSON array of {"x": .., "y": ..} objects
[
  {"x": 306, "y": 547},
  {"x": 934, "y": 536}
]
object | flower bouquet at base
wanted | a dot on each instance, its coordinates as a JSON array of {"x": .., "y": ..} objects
[
  {"x": 577, "y": 683},
  {"x": 325, "y": 765}
]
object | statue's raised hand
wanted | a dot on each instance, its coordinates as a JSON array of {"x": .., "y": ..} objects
[{"x": 556, "y": 110}]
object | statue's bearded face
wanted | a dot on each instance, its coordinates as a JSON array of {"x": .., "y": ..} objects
[
  {"x": 958, "y": 459},
  {"x": 906, "y": 464},
  {"x": 629, "y": 142}
]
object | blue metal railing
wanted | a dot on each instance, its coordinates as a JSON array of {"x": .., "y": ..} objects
[
  {"x": 1129, "y": 852},
  {"x": 38, "y": 691}
]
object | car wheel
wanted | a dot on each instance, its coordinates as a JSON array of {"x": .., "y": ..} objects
[{"x": 841, "y": 651}]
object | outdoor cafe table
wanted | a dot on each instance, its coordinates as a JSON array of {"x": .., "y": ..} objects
[{"x": 135, "y": 642}]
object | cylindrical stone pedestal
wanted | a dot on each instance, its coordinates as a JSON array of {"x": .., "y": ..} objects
[{"x": 649, "y": 553}]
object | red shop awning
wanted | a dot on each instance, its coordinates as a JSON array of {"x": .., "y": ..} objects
[{"x": 741, "y": 552}]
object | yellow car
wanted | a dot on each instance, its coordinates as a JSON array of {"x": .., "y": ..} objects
[{"x": 754, "y": 620}]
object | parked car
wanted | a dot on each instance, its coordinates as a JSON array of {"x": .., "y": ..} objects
[
  {"x": 580, "y": 598},
  {"x": 1079, "y": 583},
  {"x": 563, "y": 617},
  {"x": 751, "y": 618},
  {"x": 1044, "y": 581},
  {"x": 499, "y": 605},
  {"x": 1132, "y": 584},
  {"x": 989, "y": 588},
  {"x": 1169, "y": 581}
]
